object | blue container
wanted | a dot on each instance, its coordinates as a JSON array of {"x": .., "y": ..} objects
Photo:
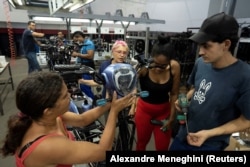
[{"x": 73, "y": 107}]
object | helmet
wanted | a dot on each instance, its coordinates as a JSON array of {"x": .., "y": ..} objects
[{"x": 121, "y": 78}]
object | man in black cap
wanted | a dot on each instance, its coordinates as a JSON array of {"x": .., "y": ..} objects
[{"x": 220, "y": 89}]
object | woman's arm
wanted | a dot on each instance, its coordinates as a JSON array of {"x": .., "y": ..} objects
[
  {"x": 175, "y": 70},
  {"x": 86, "y": 117},
  {"x": 88, "y": 82},
  {"x": 64, "y": 151},
  {"x": 133, "y": 106}
]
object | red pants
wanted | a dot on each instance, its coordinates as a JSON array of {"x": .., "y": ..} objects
[{"x": 144, "y": 113}]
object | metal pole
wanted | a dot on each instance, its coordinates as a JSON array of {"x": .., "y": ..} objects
[
  {"x": 125, "y": 27},
  {"x": 99, "y": 37},
  {"x": 228, "y": 6},
  {"x": 146, "y": 43},
  {"x": 68, "y": 23}
]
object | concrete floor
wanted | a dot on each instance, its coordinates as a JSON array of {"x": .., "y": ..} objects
[{"x": 19, "y": 69}]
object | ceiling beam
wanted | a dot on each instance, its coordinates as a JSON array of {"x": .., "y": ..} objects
[
  {"x": 99, "y": 17},
  {"x": 37, "y": 3}
]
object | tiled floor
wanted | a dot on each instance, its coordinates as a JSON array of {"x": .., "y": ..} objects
[{"x": 19, "y": 69}]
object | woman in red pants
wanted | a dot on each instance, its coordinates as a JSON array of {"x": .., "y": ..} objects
[{"x": 162, "y": 80}]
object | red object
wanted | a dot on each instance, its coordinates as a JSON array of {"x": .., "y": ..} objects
[{"x": 144, "y": 113}]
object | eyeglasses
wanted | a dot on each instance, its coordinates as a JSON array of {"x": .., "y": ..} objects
[
  {"x": 157, "y": 65},
  {"x": 121, "y": 52}
]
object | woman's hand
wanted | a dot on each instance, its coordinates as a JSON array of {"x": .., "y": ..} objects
[
  {"x": 177, "y": 106},
  {"x": 133, "y": 108},
  {"x": 131, "y": 112},
  {"x": 168, "y": 124},
  {"x": 121, "y": 103}
]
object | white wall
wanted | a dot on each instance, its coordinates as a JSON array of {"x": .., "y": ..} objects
[
  {"x": 178, "y": 14},
  {"x": 15, "y": 15}
]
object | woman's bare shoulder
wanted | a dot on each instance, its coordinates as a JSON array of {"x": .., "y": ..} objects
[{"x": 174, "y": 63}]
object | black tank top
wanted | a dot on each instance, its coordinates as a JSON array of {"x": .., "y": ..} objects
[{"x": 158, "y": 93}]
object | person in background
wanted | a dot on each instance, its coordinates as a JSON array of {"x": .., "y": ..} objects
[
  {"x": 29, "y": 46},
  {"x": 37, "y": 135},
  {"x": 162, "y": 80},
  {"x": 87, "y": 52},
  {"x": 60, "y": 39},
  {"x": 85, "y": 57},
  {"x": 119, "y": 52},
  {"x": 60, "y": 35},
  {"x": 220, "y": 89},
  {"x": 61, "y": 42}
]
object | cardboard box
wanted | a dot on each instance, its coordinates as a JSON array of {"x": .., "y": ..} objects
[{"x": 232, "y": 144}]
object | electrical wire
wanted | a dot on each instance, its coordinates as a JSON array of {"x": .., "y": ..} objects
[{"x": 10, "y": 32}]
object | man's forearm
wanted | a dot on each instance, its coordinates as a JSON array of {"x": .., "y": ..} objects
[
  {"x": 233, "y": 126},
  {"x": 85, "y": 56}
]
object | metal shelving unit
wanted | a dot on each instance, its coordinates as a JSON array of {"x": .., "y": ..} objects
[{"x": 146, "y": 36}]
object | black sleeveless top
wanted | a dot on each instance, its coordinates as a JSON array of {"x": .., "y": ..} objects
[{"x": 158, "y": 93}]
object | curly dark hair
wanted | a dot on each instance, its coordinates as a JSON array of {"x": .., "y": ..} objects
[
  {"x": 38, "y": 91},
  {"x": 163, "y": 47}
]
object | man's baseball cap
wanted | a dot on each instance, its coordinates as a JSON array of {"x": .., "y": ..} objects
[{"x": 215, "y": 26}]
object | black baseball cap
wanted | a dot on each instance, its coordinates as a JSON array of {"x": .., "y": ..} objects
[{"x": 214, "y": 26}]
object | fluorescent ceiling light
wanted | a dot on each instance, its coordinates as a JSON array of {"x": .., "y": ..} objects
[
  {"x": 104, "y": 21},
  {"x": 11, "y": 2},
  {"x": 80, "y": 20},
  {"x": 125, "y": 23},
  {"x": 68, "y": 4},
  {"x": 78, "y": 5},
  {"x": 20, "y": 2},
  {"x": 88, "y": 1},
  {"x": 47, "y": 18}
]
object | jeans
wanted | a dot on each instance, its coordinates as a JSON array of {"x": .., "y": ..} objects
[
  {"x": 33, "y": 64},
  {"x": 179, "y": 145}
]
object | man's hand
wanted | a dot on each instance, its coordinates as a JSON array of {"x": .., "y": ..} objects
[
  {"x": 198, "y": 138},
  {"x": 75, "y": 54}
]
